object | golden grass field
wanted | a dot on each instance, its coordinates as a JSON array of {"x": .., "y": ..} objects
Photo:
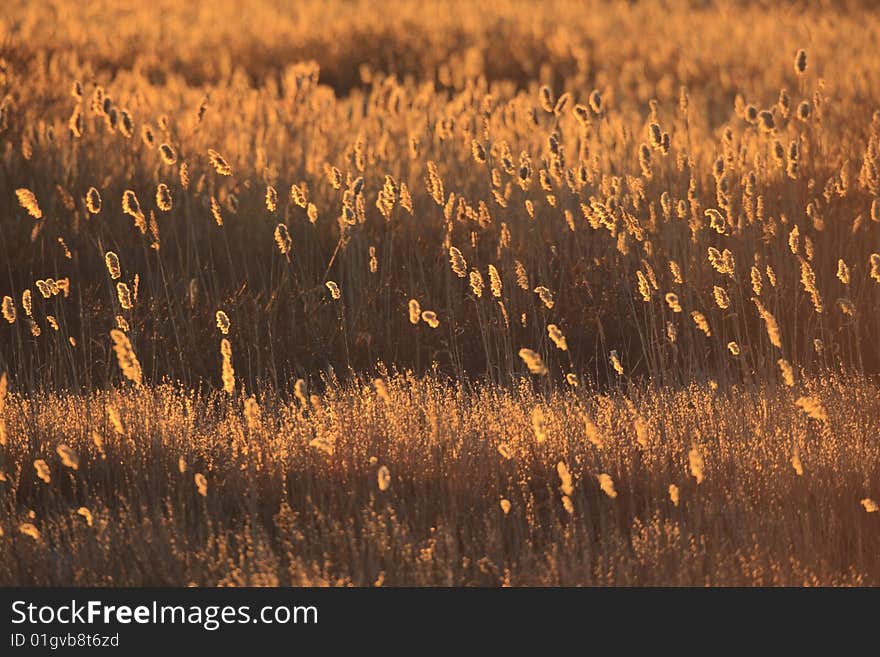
[{"x": 427, "y": 293}]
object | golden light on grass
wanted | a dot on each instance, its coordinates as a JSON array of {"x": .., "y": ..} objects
[
  {"x": 507, "y": 238},
  {"x": 201, "y": 484}
]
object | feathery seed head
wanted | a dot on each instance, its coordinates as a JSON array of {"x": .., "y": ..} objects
[
  {"x": 112, "y": 262},
  {"x": 459, "y": 264},
  {"x": 557, "y": 336},
  {"x": 28, "y": 200},
  {"x": 93, "y": 201},
  {"x": 533, "y": 361},
  {"x": 415, "y": 311},
  {"x": 9, "y": 309},
  {"x": 221, "y": 166}
]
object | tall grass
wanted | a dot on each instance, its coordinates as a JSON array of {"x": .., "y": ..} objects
[
  {"x": 584, "y": 246},
  {"x": 249, "y": 189},
  {"x": 420, "y": 482}
]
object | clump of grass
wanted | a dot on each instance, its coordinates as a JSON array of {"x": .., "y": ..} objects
[
  {"x": 343, "y": 486},
  {"x": 499, "y": 229}
]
